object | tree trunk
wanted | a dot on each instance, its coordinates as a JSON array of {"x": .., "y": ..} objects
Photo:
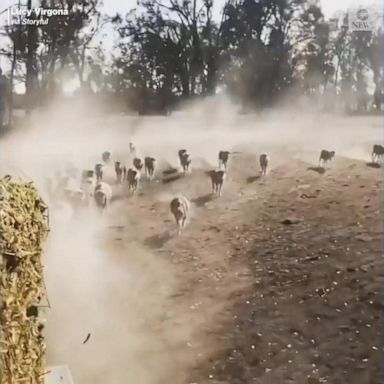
[
  {"x": 184, "y": 78},
  {"x": 13, "y": 67},
  {"x": 211, "y": 61},
  {"x": 31, "y": 75}
]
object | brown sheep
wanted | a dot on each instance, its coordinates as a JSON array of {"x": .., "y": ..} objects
[
  {"x": 264, "y": 160},
  {"x": 326, "y": 156},
  {"x": 217, "y": 179},
  {"x": 149, "y": 164}
]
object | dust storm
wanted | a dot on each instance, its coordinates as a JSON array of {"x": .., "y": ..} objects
[{"x": 147, "y": 297}]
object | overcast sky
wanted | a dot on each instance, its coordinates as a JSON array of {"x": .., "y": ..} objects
[{"x": 329, "y": 6}]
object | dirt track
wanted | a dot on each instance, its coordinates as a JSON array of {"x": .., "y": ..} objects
[{"x": 239, "y": 297}]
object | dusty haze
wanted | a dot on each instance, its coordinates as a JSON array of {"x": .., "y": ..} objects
[{"x": 103, "y": 281}]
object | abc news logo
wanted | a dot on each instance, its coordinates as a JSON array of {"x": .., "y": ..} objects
[{"x": 361, "y": 19}]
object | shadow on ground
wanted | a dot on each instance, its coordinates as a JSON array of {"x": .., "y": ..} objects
[
  {"x": 172, "y": 178},
  {"x": 319, "y": 170},
  {"x": 170, "y": 171},
  {"x": 252, "y": 179},
  {"x": 157, "y": 241},
  {"x": 373, "y": 165},
  {"x": 202, "y": 200},
  {"x": 118, "y": 197}
]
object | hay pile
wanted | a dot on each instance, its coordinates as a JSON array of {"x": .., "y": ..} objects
[{"x": 23, "y": 230}]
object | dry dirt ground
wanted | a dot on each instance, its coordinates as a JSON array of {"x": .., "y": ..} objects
[{"x": 276, "y": 281}]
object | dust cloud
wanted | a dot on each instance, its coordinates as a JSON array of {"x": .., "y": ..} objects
[{"x": 102, "y": 281}]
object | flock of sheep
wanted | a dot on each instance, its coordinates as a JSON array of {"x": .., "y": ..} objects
[{"x": 94, "y": 188}]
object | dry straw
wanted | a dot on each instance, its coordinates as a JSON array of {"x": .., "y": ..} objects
[{"x": 23, "y": 229}]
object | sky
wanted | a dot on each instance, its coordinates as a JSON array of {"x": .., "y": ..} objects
[{"x": 329, "y": 6}]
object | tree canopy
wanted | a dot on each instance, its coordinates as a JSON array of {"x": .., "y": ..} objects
[{"x": 172, "y": 50}]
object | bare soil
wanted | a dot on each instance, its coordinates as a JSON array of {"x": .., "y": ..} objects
[
  {"x": 276, "y": 281},
  {"x": 311, "y": 311}
]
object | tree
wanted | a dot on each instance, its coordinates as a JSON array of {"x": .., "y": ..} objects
[
  {"x": 67, "y": 42},
  {"x": 259, "y": 38},
  {"x": 376, "y": 63}
]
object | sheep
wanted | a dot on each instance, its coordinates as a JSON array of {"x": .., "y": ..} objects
[
  {"x": 223, "y": 159},
  {"x": 88, "y": 186},
  {"x": 99, "y": 172},
  {"x": 120, "y": 171},
  {"x": 132, "y": 149},
  {"x": 87, "y": 173},
  {"x": 149, "y": 163},
  {"x": 106, "y": 157},
  {"x": 103, "y": 195},
  {"x": 185, "y": 160},
  {"x": 137, "y": 163},
  {"x": 181, "y": 153},
  {"x": 180, "y": 208},
  {"x": 133, "y": 177},
  {"x": 264, "y": 160},
  {"x": 217, "y": 179},
  {"x": 377, "y": 152},
  {"x": 71, "y": 191},
  {"x": 326, "y": 156}
]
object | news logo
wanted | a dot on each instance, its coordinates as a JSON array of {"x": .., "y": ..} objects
[{"x": 361, "y": 19}]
